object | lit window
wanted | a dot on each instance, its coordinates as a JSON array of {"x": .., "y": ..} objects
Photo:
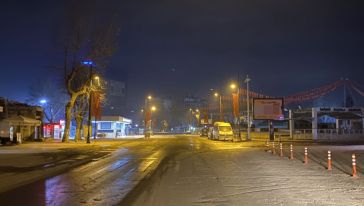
[
  {"x": 118, "y": 125},
  {"x": 105, "y": 125}
]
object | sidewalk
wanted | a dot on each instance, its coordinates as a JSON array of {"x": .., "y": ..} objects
[{"x": 252, "y": 177}]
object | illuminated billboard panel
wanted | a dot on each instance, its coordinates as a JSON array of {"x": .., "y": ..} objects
[{"x": 268, "y": 109}]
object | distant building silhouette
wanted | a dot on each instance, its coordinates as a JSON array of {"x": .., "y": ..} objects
[{"x": 116, "y": 97}]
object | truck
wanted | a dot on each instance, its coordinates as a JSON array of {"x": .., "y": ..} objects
[{"x": 222, "y": 131}]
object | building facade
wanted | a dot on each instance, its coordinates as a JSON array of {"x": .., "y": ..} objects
[
  {"x": 112, "y": 127},
  {"x": 116, "y": 98},
  {"x": 20, "y": 119}
]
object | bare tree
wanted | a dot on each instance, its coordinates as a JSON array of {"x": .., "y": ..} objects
[
  {"x": 50, "y": 96},
  {"x": 88, "y": 37}
]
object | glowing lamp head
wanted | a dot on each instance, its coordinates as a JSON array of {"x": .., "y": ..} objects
[
  {"x": 43, "y": 101},
  {"x": 87, "y": 62},
  {"x": 149, "y": 97},
  {"x": 216, "y": 94},
  {"x": 233, "y": 86},
  {"x": 153, "y": 108}
]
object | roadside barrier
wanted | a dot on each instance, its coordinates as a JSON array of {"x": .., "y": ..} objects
[
  {"x": 329, "y": 167},
  {"x": 306, "y": 156},
  {"x": 267, "y": 146},
  {"x": 305, "y": 160},
  {"x": 354, "y": 165},
  {"x": 273, "y": 148},
  {"x": 291, "y": 150}
]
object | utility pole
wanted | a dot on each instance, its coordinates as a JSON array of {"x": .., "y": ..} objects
[
  {"x": 238, "y": 120},
  {"x": 247, "y": 80},
  {"x": 220, "y": 103},
  {"x": 345, "y": 92},
  {"x": 148, "y": 122},
  {"x": 89, "y": 109}
]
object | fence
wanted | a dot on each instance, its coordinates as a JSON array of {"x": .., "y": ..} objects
[{"x": 323, "y": 135}]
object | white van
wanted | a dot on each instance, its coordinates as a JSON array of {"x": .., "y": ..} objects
[{"x": 222, "y": 131}]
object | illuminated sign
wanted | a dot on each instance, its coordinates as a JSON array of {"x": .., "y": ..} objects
[{"x": 268, "y": 109}]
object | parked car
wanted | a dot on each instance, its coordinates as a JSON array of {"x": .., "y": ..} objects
[
  {"x": 222, "y": 131},
  {"x": 204, "y": 132}
]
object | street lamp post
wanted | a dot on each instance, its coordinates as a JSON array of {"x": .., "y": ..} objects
[
  {"x": 97, "y": 78},
  {"x": 233, "y": 86},
  {"x": 247, "y": 80},
  {"x": 190, "y": 119},
  {"x": 198, "y": 117},
  {"x": 220, "y": 105},
  {"x": 90, "y": 63},
  {"x": 146, "y": 121},
  {"x": 152, "y": 109}
]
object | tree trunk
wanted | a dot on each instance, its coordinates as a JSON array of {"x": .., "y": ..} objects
[
  {"x": 67, "y": 128},
  {"x": 79, "y": 121}
]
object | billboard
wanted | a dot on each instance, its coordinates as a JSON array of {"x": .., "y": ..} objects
[{"x": 268, "y": 109}]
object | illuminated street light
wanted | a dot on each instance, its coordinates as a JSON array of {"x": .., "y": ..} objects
[
  {"x": 220, "y": 105},
  {"x": 153, "y": 108},
  {"x": 148, "y": 122},
  {"x": 97, "y": 79},
  {"x": 197, "y": 110},
  {"x": 87, "y": 62},
  {"x": 234, "y": 86},
  {"x": 43, "y": 101},
  {"x": 247, "y": 80},
  {"x": 90, "y": 64}
]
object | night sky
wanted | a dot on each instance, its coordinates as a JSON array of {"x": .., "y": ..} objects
[{"x": 175, "y": 48}]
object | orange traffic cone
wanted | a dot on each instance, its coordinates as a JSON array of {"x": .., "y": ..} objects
[
  {"x": 273, "y": 148},
  {"x": 329, "y": 168},
  {"x": 267, "y": 146},
  {"x": 291, "y": 150},
  {"x": 354, "y": 165},
  {"x": 306, "y": 156}
]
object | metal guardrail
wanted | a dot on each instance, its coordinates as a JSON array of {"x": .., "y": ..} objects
[{"x": 322, "y": 135}]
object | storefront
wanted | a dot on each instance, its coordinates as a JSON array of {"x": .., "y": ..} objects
[
  {"x": 53, "y": 130},
  {"x": 112, "y": 127}
]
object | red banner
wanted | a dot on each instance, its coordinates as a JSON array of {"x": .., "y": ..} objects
[
  {"x": 235, "y": 105},
  {"x": 148, "y": 116},
  {"x": 96, "y": 105}
]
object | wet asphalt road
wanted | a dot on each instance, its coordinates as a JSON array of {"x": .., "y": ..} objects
[
  {"x": 190, "y": 170},
  {"x": 105, "y": 180}
]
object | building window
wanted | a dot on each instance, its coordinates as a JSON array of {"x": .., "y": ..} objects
[
  {"x": 118, "y": 125},
  {"x": 105, "y": 125}
]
